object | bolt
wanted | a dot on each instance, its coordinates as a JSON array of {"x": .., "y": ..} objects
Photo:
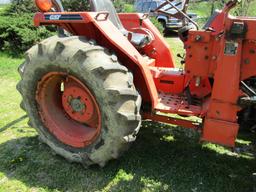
[
  {"x": 153, "y": 51},
  {"x": 114, "y": 58},
  {"x": 77, "y": 105},
  {"x": 198, "y": 38},
  {"x": 247, "y": 61},
  {"x": 217, "y": 38},
  {"x": 198, "y": 81},
  {"x": 69, "y": 99},
  {"x": 252, "y": 51},
  {"x": 214, "y": 57},
  {"x": 92, "y": 42}
]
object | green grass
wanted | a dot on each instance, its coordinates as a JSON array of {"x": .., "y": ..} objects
[
  {"x": 252, "y": 10},
  {"x": 176, "y": 47},
  {"x": 164, "y": 157},
  {"x": 202, "y": 9},
  {"x": 2, "y": 7}
]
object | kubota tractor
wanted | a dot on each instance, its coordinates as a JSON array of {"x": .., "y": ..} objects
[{"x": 87, "y": 89}]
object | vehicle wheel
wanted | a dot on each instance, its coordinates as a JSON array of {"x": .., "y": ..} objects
[
  {"x": 80, "y": 99},
  {"x": 163, "y": 23},
  {"x": 247, "y": 115},
  {"x": 164, "y": 26}
]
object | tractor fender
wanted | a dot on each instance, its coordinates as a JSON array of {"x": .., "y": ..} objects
[{"x": 96, "y": 26}]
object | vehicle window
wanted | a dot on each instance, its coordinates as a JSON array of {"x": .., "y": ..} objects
[
  {"x": 139, "y": 6},
  {"x": 170, "y": 9},
  {"x": 136, "y": 4},
  {"x": 146, "y": 7},
  {"x": 153, "y": 6}
]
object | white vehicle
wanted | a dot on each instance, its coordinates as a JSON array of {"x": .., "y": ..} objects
[{"x": 147, "y": 6}]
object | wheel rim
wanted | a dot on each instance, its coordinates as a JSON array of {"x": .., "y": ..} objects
[{"x": 68, "y": 109}]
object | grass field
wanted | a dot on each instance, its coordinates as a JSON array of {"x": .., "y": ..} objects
[{"x": 164, "y": 157}]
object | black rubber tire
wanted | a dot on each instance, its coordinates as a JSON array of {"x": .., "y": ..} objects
[
  {"x": 109, "y": 81},
  {"x": 163, "y": 23}
]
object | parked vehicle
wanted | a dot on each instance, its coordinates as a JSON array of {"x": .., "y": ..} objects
[{"x": 168, "y": 22}]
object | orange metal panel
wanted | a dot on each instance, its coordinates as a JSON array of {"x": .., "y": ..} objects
[
  {"x": 168, "y": 80},
  {"x": 159, "y": 49},
  {"x": 223, "y": 110},
  {"x": 221, "y": 120},
  {"x": 248, "y": 59},
  {"x": 220, "y": 132},
  {"x": 198, "y": 53}
]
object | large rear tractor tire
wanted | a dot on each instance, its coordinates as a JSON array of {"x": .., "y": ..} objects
[{"x": 80, "y": 99}]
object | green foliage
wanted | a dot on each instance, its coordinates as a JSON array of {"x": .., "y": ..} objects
[
  {"x": 75, "y": 5},
  {"x": 128, "y": 8},
  {"x": 157, "y": 24},
  {"x": 244, "y": 8},
  {"x": 28, "y": 6},
  {"x": 119, "y": 5},
  {"x": 17, "y": 33},
  {"x": 21, "y": 7}
]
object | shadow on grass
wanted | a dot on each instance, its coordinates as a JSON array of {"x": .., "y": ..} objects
[
  {"x": 170, "y": 33},
  {"x": 162, "y": 159},
  {"x": 13, "y": 123}
]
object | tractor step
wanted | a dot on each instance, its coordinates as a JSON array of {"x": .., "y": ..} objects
[{"x": 170, "y": 103}]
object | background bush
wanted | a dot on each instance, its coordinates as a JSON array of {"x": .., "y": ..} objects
[
  {"x": 28, "y": 6},
  {"x": 17, "y": 32}
]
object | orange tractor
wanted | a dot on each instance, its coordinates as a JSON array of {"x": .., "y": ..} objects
[{"x": 87, "y": 90}]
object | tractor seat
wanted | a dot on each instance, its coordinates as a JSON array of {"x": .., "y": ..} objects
[{"x": 139, "y": 40}]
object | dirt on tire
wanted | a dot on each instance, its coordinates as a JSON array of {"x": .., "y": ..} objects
[{"x": 110, "y": 82}]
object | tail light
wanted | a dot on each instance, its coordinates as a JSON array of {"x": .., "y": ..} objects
[{"x": 44, "y": 5}]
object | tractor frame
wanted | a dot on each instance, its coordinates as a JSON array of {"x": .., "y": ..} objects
[{"x": 218, "y": 59}]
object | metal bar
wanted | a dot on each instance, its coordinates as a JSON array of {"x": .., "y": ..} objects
[
  {"x": 183, "y": 14},
  {"x": 247, "y": 89},
  {"x": 171, "y": 120}
]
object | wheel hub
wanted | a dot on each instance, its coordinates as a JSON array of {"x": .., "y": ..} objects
[
  {"x": 77, "y": 105},
  {"x": 68, "y": 109},
  {"x": 77, "y": 102}
]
